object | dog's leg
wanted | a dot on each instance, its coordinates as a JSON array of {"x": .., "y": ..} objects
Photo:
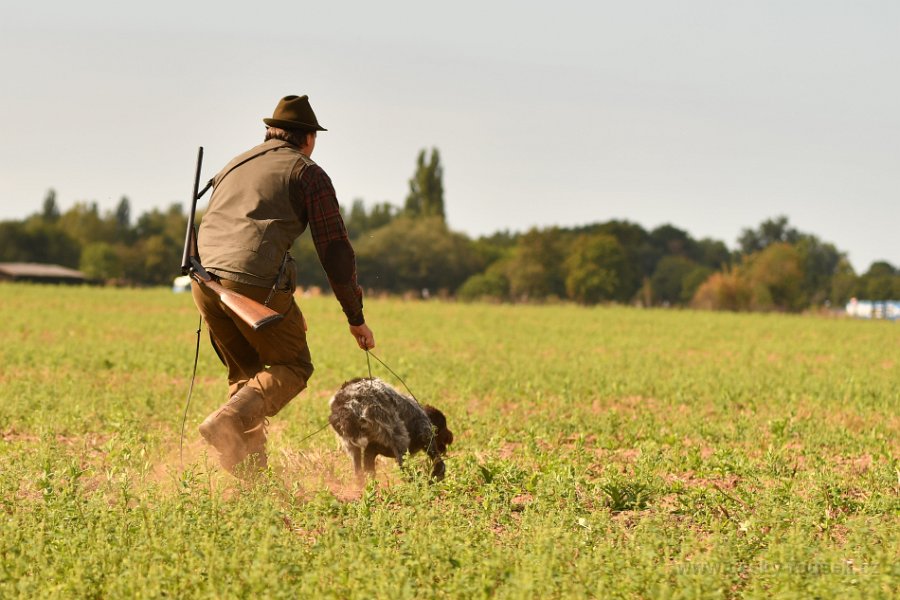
[
  {"x": 369, "y": 460},
  {"x": 356, "y": 456},
  {"x": 438, "y": 470},
  {"x": 398, "y": 454}
]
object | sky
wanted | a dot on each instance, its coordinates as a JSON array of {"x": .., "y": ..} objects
[{"x": 712, "y": 116}]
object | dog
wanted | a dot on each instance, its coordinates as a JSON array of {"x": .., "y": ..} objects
[{"x": 371, "y": 418}]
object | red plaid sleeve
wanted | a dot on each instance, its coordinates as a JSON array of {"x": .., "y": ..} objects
[{"x": 316, "y": 197}]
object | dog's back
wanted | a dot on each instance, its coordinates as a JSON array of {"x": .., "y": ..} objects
[{"x": 368, "y": 412}]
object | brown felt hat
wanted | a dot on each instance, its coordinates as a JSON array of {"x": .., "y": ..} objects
[{"x": 294, "y": 112}]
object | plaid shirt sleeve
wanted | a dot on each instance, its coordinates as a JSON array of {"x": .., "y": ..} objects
[{"x": 314, "y": 195}]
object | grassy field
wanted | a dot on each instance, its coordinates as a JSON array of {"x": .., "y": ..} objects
[{"x": 606, "y": 452}]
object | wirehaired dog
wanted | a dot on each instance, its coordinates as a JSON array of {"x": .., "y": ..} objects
[{"x": 371, "y": 418}]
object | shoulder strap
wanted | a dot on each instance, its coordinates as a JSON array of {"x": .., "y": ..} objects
[{"x": 218, "y": 178}]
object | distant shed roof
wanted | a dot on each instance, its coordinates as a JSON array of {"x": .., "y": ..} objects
[{"x": 39, "y": 272}]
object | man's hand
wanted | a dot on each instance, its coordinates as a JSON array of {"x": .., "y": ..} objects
[{"x": 363, "y": 335}]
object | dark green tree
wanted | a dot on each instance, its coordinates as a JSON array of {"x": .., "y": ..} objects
[
  {"x": 171, "y": 223},
  {"x": 99, "y": 260},
  {"x": 84, "y": 224},
  {"x": 844, "y": 284},
  {"x": 880, "y": 268},
  {"x": 671, "y": 241},
  {"x": 594, "y": 268},
  {"x": 641, "y": 255},
  {"x": 668, "y": 281},
  {"x": 770, "y": 231},
  {"x": 535, "y": 268},
  {"x": 820, "y": 263},
  {"x": 712, "y": 253},
  {"x": 491, "y": 284},
  {"x": 494, "y": 247},
  {"x": 775, "y": 277},
  {"x": 161, "y": 259},
  {"x": 357, "y": 220},
  {"x": 880, "y": 287},
  {"x": 416, "y": 254},
  {"x": 50, "y": 210},
  {"x": 381, "y": 214},
  {"x": 360, "y": 221},
  {"x": 35, "y": 240},
  {"x": 426, "y": 187},
  {"x": 14, "y": 241},
  {"x": 157, "y": 256},
  {"x": 879, "y": 282},
  {"x": 122, "y": 217},
  {"x": 123, "y": 213}
]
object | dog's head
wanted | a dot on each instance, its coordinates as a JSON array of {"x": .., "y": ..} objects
[{"x": 443, "y": 437}]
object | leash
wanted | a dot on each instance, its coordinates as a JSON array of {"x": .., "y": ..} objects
[
  {"x": 187, "y": 404},
  {"x": 320, "y": 429},
  {"x": 400, "y": 379}
]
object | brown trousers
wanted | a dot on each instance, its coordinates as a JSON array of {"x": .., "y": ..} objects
[{"x": 274, "y": 361}]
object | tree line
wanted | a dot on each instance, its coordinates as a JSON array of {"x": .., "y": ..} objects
[
  {"x": 410, "y": 248},
  {"x": 108, "y": 247}
]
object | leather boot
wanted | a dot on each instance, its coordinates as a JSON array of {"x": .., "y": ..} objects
[
  {"x": 224, "y": 428},
  {"x": 255, "y": 434},
  {"x": 255, "y": 438}
]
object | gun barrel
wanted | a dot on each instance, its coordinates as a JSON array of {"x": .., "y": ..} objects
[{"x": 190, "y": 239}]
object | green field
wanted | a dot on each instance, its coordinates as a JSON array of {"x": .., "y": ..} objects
[{"x": 603, "y": 452}]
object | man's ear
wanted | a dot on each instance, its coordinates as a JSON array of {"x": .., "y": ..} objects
[{"x": 311, "y": 139}]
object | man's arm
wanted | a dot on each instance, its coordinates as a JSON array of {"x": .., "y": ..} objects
[{"x": 333, "y": 247}]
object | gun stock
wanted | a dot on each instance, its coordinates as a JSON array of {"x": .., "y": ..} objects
[{"x": 256, "y": 315}]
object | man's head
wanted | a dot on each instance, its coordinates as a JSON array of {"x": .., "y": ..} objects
[
  {"x": 304, "y": 140},
  {"x": 295, "y": 122}
]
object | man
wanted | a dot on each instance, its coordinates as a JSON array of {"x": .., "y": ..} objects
[{"x": 262, "y": 201}]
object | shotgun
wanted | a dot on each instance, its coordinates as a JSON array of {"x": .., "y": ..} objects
[{"x": 250, "y": 311}]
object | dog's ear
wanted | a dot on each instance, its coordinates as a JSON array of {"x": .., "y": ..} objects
[
  {"x": 443, "y": 437},
  {"x": 447, "y": 436},
  {"x": 436, "y": 417}
]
